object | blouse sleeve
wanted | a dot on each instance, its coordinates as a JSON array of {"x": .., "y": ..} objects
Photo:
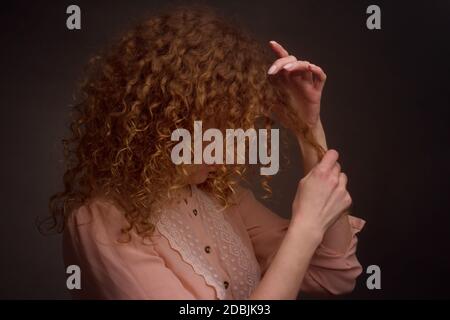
[
  {"x": 329, "y": 271},
  {"x": 111, "y": 268}
]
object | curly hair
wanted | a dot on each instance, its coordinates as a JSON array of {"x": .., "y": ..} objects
[{"x": 180, "y": 66}]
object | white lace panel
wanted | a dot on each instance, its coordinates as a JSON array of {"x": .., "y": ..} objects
[{"x": 239, "y": 262}]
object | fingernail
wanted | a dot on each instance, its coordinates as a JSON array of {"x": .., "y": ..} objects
[
  {"x": 288, "y": 66},
  {"x": 272, "y": 70},
  {"x": 273, "y": 42}
]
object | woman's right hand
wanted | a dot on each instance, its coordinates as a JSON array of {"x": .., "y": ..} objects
[{"x": 321, "y": 196}]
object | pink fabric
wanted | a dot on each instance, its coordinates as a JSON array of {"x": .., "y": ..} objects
[{"x": 153, "y": 269}]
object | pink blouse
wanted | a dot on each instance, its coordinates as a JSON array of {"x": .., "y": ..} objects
[{"x": 198, "y": 251}]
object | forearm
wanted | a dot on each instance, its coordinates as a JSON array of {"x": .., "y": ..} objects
[
  {"x": 285, "y": 274},
  {"x": 338, "y": 236},
  {"x": 309, "y": 153}
]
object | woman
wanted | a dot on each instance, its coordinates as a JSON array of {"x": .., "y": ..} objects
[{"x": 141, "y": 227}]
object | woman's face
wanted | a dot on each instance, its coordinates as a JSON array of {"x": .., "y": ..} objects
[{"x": 198, "y": 173}]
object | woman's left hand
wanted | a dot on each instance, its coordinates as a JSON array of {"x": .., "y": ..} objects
[{"x": 303, "y": 82}]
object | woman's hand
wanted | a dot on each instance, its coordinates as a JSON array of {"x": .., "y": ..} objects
[
  {"x": 321, "y": 196},
  {"x": 303, "y": 82}
]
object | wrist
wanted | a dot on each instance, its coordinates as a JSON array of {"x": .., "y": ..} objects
[
  {"x": 306, "y": 230},
  {"x": 316, "y": 129}
]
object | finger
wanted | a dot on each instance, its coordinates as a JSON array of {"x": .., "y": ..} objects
[
  {"x": 302, "y": 67},
  {"x": 336, "y": 204},
  {"x": 343, "y": 179},
  {"x": 328, "y": 160},
  {"x": 297, "y": 66},
  {"x": 319, "y": 74},
  {"x": 336, "y": 170},
  {"x": 279, "y": 64},
  {"x": 342, "y": 196},
  {"x": 278, "y": 49}
]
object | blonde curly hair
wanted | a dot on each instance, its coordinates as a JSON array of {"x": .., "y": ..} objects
[{"x": 180, "y": 66}]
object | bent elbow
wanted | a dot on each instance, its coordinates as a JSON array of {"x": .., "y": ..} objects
[{"x": 345, "y": 280}]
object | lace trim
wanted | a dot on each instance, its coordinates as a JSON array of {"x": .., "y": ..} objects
[
  {"x": 239, "y": 262},
  {"x": 179, "y": 237}
]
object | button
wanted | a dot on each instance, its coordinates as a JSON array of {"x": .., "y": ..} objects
[
  {"x": 195, "y": 212},
  {"x": 226, "y": 284},
  {"x": 207, "y": 249}
]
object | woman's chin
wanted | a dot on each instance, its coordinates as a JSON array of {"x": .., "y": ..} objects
[{"x": 198, "y": 179}]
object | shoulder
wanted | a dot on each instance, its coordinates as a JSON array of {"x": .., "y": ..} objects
[
  {"x": 245, "y": 201},
  {"x": 97, "y": 217},
  {"x": 98, "y": 210},
  {"x": 254, "y": 211},
  {"x": 242, "y": 195}
]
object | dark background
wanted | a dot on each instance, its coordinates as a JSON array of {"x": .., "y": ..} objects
[{"x": 385, "y": 108}]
